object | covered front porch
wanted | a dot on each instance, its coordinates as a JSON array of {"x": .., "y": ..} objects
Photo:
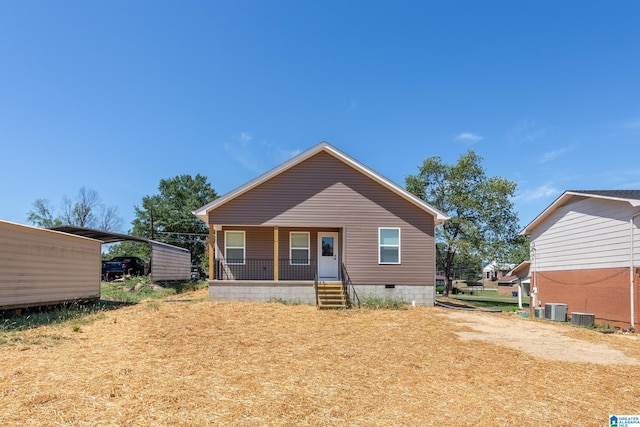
[
  {"x": 295, "y": 264},
  {"x": 277, "y": 253}
]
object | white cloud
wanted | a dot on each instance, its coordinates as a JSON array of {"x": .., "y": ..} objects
[
  {"x": 554, "y": 154},
  {"x": 542, "y": 192},
  {"x": 240, "y": 149},
  {"x": 631, "y": 124},
  {"x": 257, "y": 156},
  {"x": 468, "y": 137},
  {"x": 621, "y": 178},
  {"x": 525, "y": 131}
]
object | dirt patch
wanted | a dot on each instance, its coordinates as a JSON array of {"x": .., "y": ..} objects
[
  {"x": 201, "y": 363},
  {"x": 539, "y": 339}
]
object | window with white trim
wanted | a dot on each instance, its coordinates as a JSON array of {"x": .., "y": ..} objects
[
  {"x": 388, "y": 245},
  {"x": 234, "y": 247},
  {"x": 299, "y": 251}
]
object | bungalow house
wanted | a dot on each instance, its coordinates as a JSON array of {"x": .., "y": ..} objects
[
  {"x": 520, "y": 276},
  {"x": 495, "y": 271},
  {"x": 321, "y": 228},
  {"x": 585, "y": 252}
]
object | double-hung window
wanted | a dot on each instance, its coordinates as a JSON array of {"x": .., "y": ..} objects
[
  {"x": 299, "y": 248},
  {"x": 388, "y": 245},
  {"x": 234, "y": 247}
]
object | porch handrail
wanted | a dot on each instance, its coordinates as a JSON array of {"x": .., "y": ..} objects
[
  {"x": 315, "y": 287},
  {"x": 263, "y": 269},
  {"x": 348, "y": 288}
]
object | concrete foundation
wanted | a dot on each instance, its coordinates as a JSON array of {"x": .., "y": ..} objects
[
  {"x": 257, "y": 291},
  {"x": 303, "y": 292},
  {"x": 421, "y": 295}
]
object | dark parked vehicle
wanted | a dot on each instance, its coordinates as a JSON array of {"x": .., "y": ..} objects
[
  {"x": 123, "y": 266},
  {"x": 197, "y": 273}
]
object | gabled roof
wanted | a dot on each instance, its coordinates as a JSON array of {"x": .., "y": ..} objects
[
  {"x": 630, "y": 196},
  {"x": 521, "y": 270},
  {"x": 624, "y": 195},
  {"x": 508, "y": 279},
  {"x": 495, "y": 266},
  {"x": 203, "y": 212}
]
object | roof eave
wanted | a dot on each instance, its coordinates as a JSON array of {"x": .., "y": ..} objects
[
  {"x": 545, "y": 213},
  {"x": 203, "y": 212},
  {"x": 566, "y": 196},
  {"x": 520, "y": 267}
]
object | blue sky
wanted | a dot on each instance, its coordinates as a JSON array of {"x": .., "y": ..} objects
[{"x": 116, "y": 95}]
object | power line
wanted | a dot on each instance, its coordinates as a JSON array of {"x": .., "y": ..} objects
[{"x": 183, "y": 234}]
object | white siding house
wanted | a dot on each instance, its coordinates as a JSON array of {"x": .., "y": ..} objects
[
  {"x": 585, "y": 233},
  {"x": 585, "y": 252}
]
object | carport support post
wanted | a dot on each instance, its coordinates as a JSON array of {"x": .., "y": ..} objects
[
  {"x": 276, "y": 273},
  {"x": 212, "y": 252}
]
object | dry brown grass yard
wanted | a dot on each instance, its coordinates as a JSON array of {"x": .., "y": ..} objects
[{"x": 200, "y": 363}]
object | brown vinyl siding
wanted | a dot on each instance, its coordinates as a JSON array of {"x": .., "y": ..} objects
[
  {"x": 323, "y": 193},
  {"x": 258, "y": 242},
  {"x": 283, "y": 237},
  {"x": 40, "y": 267},
  {"x": 259, "y": 251}
]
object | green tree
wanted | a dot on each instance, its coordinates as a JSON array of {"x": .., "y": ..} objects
[
  {"x": 81, "y": 211},
  {"x": 85, "y": 210},
  {"x": 42, "y": 214},
  {"x": 466, "y": 266},
  {"x": 127, "y": 248},
  {"x": 167, "y": 217},
  {"x": 482, "y": 221}
]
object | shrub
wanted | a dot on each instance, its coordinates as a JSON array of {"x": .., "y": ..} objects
[
  {"x": 382, "y": 303},
  {"x": 152, "y": 305},
  {"x": 76, "y": 326},
  {"x": 285, "y": 301}
]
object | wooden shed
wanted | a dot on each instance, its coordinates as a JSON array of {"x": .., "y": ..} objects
[{"x": 43, "y": 267}]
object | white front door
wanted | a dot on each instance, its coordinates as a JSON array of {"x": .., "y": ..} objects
[{"x": 328, "y": 256}]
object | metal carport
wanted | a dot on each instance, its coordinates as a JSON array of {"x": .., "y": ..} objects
[{"x": 168, "y": 262}]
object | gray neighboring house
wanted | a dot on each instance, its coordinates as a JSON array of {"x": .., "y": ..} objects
[{"x": 321, "y": 219}]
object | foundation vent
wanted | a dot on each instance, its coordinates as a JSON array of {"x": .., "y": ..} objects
[
  {"x": 583, "y": 319},
  {"x": 555, "y": 311}
]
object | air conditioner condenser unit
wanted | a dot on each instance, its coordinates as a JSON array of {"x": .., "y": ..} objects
[
  {"x": 583, "y": 319},
  {"x": 555, "y": 311}
]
